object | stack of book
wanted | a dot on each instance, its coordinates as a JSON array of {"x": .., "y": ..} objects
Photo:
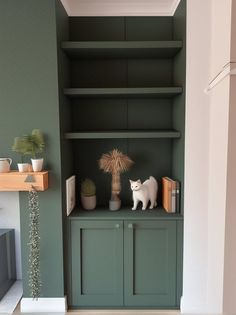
[{"x": 170, "y": 195}]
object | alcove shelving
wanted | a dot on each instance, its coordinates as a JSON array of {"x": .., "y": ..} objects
[{"x": 126, "y": 91}]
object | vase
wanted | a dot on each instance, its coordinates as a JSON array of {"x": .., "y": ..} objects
[
  {"x": 114, "y": 205},
  {"x": 37, "y": 165}
]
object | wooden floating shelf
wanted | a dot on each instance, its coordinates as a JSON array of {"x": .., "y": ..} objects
[
  {"x": 123, "y": 134},
  {"x": 147, "y": 92},
  {"x": 17, "y": 181},
  {"x": 122, "y": 49}
]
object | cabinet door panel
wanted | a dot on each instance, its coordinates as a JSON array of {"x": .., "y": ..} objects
[
  {"x": 97, "y": 263},
  {"x": 150, "y": 263}
]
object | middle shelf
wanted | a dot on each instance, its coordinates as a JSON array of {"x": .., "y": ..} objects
[
  {"x": 123, "y": 134},
  {"x": 144, "y": 92}
]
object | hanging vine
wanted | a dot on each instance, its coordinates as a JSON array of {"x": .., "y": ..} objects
[{"x": 34, "y": 245}]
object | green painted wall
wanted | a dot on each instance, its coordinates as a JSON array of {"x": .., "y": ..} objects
[{"x": 29, "y": 99}]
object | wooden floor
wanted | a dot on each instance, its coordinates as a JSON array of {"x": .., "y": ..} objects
[{"x": 105, "y": 312}]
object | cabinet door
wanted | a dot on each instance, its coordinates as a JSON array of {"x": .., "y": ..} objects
[
  {"x": 96, "y": 263},
  {"x": 150, "y": 263}
]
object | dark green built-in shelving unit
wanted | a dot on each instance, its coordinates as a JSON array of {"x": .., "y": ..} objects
[
  {"x": 123, "y": 134},
  {"x": 127, "y": 91},
  {"x": 122, "y": 49},
  {"x": 146, "y": 92}
]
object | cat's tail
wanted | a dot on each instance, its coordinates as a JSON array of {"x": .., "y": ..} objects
[{"x": 153, "y": 179}]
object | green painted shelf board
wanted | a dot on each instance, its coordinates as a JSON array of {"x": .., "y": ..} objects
[
  {"x": 123, "y": 134},
  {"x": 125, "y": 213},
  {"x": 144, "y": 92},
  {"x": 122, "y": 49}
]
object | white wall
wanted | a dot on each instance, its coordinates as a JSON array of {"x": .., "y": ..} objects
[
  {"x": 219, "y": 113},
  {"x": 196, "y": 157},
  {"x": 229, "y": 296},
  {"x": 229, "y": 300},
  {"x": 10, "y": 218},
  {"x": 209, "y": 259}
]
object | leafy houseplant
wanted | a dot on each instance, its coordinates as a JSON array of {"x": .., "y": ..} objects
[
  {"x": 35, "y": 145},
  {"x": 32, "y": 145},
  {"x": 20, "y": 146},
  {"x": 115, "y": 162},
  {"x": 88, "y": 194}
]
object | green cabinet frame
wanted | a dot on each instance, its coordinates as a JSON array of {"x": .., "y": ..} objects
[
  {"x": 125, "y": 263},
  {"x": 150, "y": 263},
  {"x": 96, "y": 263}
]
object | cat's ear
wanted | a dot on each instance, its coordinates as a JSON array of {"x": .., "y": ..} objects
[
  {"x": 130, "y": 181},
  {"x": 139, "y": 181}
]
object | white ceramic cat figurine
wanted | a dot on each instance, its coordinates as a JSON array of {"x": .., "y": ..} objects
[{"x": 144, "y": 192}]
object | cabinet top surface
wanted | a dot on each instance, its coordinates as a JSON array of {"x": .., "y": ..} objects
[{"x": 124, "y": 213}]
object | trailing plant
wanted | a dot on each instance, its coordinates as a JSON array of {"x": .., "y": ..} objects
[
  {"x": 34, "y": 246},
  {"x": 88, "y": 188}
]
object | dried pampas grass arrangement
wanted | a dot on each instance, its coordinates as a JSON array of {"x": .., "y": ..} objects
[{"x": 115, "y": 162}]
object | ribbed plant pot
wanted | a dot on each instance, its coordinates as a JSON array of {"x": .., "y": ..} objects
[
  {"x": 114, "y": 205},
  {"x": 37, "y": 165},
  {"x": 88, "y": 203}
]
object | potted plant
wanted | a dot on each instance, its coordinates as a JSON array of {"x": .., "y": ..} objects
[
  {"x": 32, "y": 145},
  {"x": 20, "y": 146},
  {"x": 35, "y": 145},
  {"x": 88, "y": 194},
  {"x": 115, "y": 162}
]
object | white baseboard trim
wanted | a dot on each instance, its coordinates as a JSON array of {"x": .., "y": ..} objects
[{"x": 42, "y": 305}]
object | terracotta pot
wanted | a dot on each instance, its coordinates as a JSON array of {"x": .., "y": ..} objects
[{"x": 88, "y": 203}]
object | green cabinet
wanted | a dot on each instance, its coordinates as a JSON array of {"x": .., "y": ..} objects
[
  {"x": 124, "y": 263},
  {"x": 96, "y": 263},
  {"x": 150, "y": 263}
]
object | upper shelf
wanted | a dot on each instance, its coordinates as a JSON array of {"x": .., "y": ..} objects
[
  {"x": 124, "y": 134},
  {"x": 122, "y": 49},
  {"x": 145, "y": 92}
]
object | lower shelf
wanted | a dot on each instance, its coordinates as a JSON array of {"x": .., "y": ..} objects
[{"x": 101, "y": 213}]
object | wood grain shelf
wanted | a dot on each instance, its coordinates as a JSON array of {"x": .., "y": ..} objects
[
  {"x": 141, "y": 92},
  {"x": 121, "y": 49},
  {"x": 17, "y": 181},
  {"x": 123, "y": 134}
]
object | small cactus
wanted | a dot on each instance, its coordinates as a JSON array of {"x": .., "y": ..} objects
[{"x": 88, "y": 188}]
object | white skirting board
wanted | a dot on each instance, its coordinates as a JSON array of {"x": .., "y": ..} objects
[{"x": 43, "y": 305}]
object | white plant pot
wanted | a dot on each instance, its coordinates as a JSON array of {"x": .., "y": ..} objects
[
  {"x": 37, "y": 165},
  {"x": 88, "y": 203},
  {"x": 23, "y": 167},
  {"x": 114, "y": 205}
]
